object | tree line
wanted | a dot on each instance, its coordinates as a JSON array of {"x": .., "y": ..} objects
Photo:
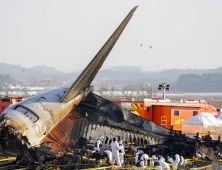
[
  {"x": 5, "y": 80},
  {"x": 210, "y": 82}
]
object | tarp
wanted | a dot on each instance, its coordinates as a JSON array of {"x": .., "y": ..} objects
[
  {"x": 203, "y": 119},
  {"x": 204, "y": 123}
]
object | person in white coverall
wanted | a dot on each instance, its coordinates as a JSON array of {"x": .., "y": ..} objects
[
  {"x": 176, "y": 162},
  {"x": 98, "y": 143},
  {"x": 142, "y": 160},
  {"x": 115, "y": 152},
  {"x": 163, "y": 164},
  {"x": 109, "y": 154},
  {"x": 121, "y": 152},
  {"x": 140, "y": 153}
]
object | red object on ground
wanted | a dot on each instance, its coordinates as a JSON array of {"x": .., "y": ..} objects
[{"x": 2, "y": 110}]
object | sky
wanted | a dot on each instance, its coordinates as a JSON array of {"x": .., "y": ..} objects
[{"x": 67, "y": 34}]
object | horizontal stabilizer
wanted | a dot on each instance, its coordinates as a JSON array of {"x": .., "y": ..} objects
[{"x": 88, "y": 74}]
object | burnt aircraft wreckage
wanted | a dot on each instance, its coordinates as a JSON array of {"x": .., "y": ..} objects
[{"x": 61, "y": 116}]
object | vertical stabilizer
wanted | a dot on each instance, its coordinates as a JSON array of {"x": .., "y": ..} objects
[{"x": 88, "y": 74}]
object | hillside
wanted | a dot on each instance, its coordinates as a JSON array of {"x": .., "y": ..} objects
[
  {"x": 44, "y": 69},
  {"x": 17, "y": 69},
  {"x": 181, "y": 80}
]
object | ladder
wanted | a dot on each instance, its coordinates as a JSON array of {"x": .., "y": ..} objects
[{"x": 163, "y": 121}]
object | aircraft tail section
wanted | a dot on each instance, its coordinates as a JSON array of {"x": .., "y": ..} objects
[{"x": 88, "y": 74}]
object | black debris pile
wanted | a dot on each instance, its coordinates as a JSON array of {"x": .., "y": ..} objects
[
  {"x": 99, "y": 155},
  {"x": 196, "y": 164},
  {"x": 74, "y": 157},
  {"x": 69, "y": 160},
  {"x": 40, "y": 158},
  {"x": 14, "y": 144},
  {"x": 177, "y": 143}
]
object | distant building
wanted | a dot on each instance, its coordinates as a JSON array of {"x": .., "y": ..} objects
[
  {"x": 120, "y": 93},
  {"x": 123, "y": 68},
  {"x": 45, "y": 82},
  {"x": 51, "y": 83},
  {"x": 15, "y": 86}
]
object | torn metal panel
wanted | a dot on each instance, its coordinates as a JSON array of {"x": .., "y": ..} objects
[{"x": 103, "y": 111}]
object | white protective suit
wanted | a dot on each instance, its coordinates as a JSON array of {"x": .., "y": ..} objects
[
  {"x": 143, "y": 160},
  {"x": 98, "y": 143},
  {"x": 152, "y": 161},
  {"x": 154, "y": 157},
  {"x": 171, "y": 161},
  {"x": 176, "y": 162},
  {"x": 182, "y": 161},
  {"x": 115, "y": 153},
  {"x": 137, "y": 155},
  {"x": 109, "y": 153},
  {"x": 155, "y": 162},
  {"x": 163, "y": 164},
  {"x": 121, "y": 152}
]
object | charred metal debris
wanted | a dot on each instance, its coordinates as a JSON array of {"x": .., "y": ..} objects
[{"x": 79, "y": 156}]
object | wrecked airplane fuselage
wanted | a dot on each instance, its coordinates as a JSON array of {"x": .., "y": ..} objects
[
  {"x": 37, "y": 116},
  {"x": 51, "y": 116}
]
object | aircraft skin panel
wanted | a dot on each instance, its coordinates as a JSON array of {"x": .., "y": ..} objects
[
  {"x": 92, "y": 130},
  {"x": 62, "y": 134},
  {"x": 103, "y": 111},
  {"x": 87, "y": 76}
]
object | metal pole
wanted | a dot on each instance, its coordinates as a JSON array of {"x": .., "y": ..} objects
[
  {"x": 151, "y": 92},
  {"x": 164, "y": 88},
  {"x": 25, "y": 92},
  {"x": 163, "y": 93}
]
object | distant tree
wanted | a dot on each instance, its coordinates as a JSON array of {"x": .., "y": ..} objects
[
  {"x": 124, "y": 87},
  {"x": 210, "y": 82},
  {"x": 142, "y": 88},
  {"x": 5, "y": 80},
  {"x": 113, "y": 87},
  {"x": 103, "y": 87},
  {"x": 23, "y": 69}
]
